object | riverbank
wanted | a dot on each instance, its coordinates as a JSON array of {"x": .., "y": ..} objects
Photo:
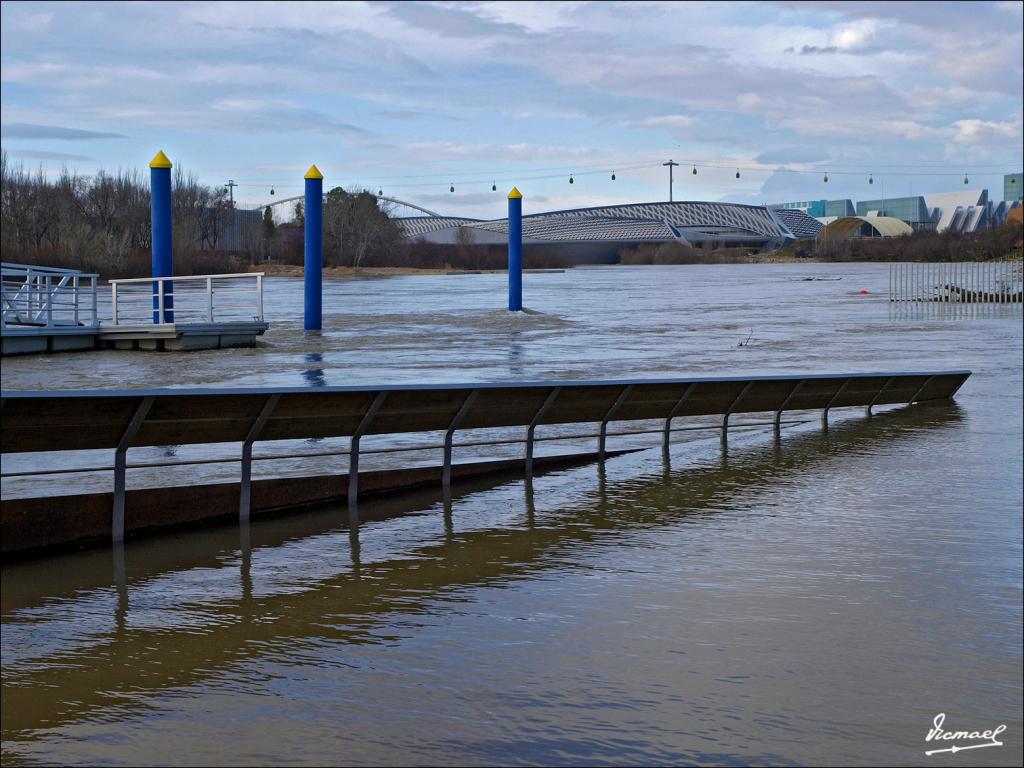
[{"x": 292, "y": 270}]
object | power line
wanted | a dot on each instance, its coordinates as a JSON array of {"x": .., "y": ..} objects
[{"x": 467, "y": 178}]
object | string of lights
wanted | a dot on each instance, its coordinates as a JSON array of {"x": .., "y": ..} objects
[{"x": 473, "y": 179}]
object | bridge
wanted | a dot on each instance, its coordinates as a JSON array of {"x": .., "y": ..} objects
[{"x": 385, "y": 198}]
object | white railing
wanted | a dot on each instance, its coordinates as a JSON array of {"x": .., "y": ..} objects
[
  {"x": 47, "y": 297},
  {"x": 197, "y": 299},
  {"x": 973, "y": 282}
]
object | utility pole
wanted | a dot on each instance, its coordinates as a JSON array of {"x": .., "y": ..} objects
[
  {"x": 671, "y": 164},
  {"x": 230, "y": 186}
]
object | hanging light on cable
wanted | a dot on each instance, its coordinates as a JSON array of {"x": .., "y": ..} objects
[
  {"x": 695, "y": 170},
  {"x": 965, "y": 179},
  {"x": 613, "y": 175},
  {"x": 271, "y": 191},
  {"x": 826, "y": 177},
  {"x": 452, "y": 187},
  {"x": 871, "y": 179},
  {"x": 737, "y": 173},
  {"x": 570, "y": 179},
  {"x": 380, "y": 192},
  {"x": 494, "y": 186}
]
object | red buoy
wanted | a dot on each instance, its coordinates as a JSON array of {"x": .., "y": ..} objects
[{"x": 863, "y": 292}]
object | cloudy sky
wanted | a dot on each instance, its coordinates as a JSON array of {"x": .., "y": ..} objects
[{"x": 412, "y": 97}]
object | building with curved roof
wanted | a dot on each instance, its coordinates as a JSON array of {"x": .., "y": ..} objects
[
  {"x": 846, "y": 227},
  {"x": 605, "y": 230},
  {"x": 963, "y": 211}
]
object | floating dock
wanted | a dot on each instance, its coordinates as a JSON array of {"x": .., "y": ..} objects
[
  {"x": 53, "y": 422},
  {"x": 56, "y": 310}
]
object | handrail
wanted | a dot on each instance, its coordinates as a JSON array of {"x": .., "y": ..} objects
[
  {"x": 5, "y": 265},
  {"x": 174, "y": 301},
  {"x": 199, "y": 416},
  {"x": 46, "y": 297},
  {"x": 186, "y": 278}
]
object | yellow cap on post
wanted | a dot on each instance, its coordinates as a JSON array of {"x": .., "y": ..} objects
[
  {"x": 515, "y": 194},
  {"x": 313, "y": 173},
  {"x": 160, "y": 160}
]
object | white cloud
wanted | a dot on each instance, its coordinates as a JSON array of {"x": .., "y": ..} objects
[
  {"x": 532, "y": 84},
  {"x": 855, "y": 34},
  {"x": 983, "y": 131}
]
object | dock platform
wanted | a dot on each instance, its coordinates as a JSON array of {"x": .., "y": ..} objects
[
  {"x": 54, "y": 310},
  {"x": 54, "y": 422}
]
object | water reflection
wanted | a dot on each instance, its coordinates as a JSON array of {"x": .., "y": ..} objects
[
  {"x": 181, "y": 623},
  {"x": 315, "y": 377},
  {"x": 515, "y": 354},
  {"x": 771, "y": 604}
]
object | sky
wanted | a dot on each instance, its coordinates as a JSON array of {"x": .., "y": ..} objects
[{"x": 413, "y": 98}]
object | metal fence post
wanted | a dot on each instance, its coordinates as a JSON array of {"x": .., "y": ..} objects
[
  {"x": 353, "y": 455},
  {"x": 244, "y": 488},
  {"x": 790, "y": 396},
  {"x": 49, "y": 301},
  {"x": 920, "y": 390},
  {"x": 548, "y": 402},
  {"x": 867, "y": 410},
  {"x": 728, "y": 413},
  {"x": 446, "y": 473},
  {"x": 824, "y": 413},
  {"x": 672, "y": 414},
  {"x": 120, "y": 468},
  {"x": 209, "y": 300},
  {"x": 608, "y": 416}
]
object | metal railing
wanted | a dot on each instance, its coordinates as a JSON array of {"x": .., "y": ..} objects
[
  {"x": 46, "y": 297},
  {"x": 197, "y": 299},
  {"x": 199, "y": 416},
  {"x": 974, "y": 282}
]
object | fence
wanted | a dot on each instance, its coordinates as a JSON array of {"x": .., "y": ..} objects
[
  {"x": 46, "y": 297},
  {"x": 975, "y": 282},
  {"x": 120, "y": 419},
  {"x": 200, "y": 299}
]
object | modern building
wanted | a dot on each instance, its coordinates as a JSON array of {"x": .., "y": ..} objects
[
  {"x": 822, "y": 208},
  {"x": 964, "y": 211},
  {"x": 1013, "y": 187},
  {"x": 815, "y": 208},
  {"x": 597, "y": 235},
  {"x": 912, "y": 210},
  {"x": 845, "y": 227}
]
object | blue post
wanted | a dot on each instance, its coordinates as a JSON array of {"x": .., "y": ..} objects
[
  {"x": 515, "y": 250},
  {"x": 313, "y": 256},
  {"x": 162, "y": 236}
]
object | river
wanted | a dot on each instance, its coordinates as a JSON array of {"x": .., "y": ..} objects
[{"x": 816, "y": 599}]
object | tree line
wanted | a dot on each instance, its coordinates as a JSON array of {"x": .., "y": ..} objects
[
  {"x": 357, "y": 230},
  {"x": 999, "y": 242},
  {"x": 101, "y": 223}
]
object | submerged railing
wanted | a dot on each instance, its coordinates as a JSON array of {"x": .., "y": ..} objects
[
  {"x": 974, "y": 282},
  {"x": 46, "y": 297},
  {"x": 198, "y": 299},
  {"x": 118, "y": 420}
]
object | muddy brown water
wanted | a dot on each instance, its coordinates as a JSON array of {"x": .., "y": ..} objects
[{"x": 817, "y": 599}]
